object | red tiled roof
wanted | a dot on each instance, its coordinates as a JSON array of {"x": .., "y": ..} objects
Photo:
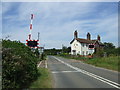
[{"x": 85, "y": 40}]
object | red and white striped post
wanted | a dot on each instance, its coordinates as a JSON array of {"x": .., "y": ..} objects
[{"x": 29, "y": 37}]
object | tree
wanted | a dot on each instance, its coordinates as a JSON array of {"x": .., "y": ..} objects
[
  {"x": 69, "y": 49},
  {"x": 108, "y": 46},
  {"x": 66, "y": 49},
  {"x": 99, "y": 53},
  {"x": 19, "y": 65},
  {"x": 110, "y": 49},
  {"x": 36, "y": 53}
]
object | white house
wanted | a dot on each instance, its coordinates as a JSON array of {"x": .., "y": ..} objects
[{"x": 82, "y": 46}]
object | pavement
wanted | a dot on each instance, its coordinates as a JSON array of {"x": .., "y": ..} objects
[
  {"x": 42, "y": 64},
  {"x": 69, "y": 73}
]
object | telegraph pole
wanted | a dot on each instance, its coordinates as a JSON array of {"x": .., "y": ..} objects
[
  {"x": 38, "y": 36},
  {"x": 62, "y": 48}
]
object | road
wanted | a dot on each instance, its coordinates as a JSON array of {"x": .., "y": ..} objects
[{"x": 69, "y": 73}]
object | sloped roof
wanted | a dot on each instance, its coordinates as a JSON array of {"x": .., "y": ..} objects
[
  {"x": 84, "y": 40},
  {"x": 81, "y": 40}
]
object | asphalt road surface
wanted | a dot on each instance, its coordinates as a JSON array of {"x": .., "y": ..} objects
[{"x": 69, "y": 73}]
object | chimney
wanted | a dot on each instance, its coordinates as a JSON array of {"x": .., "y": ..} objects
[
  {"x": 88, "y": 36},
  {"x": 98, "y": 38},
  {"x": 75, "y": 34}
]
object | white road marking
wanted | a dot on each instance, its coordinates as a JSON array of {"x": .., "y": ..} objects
[
  {"x": 45, "y": 63},
  {"x": 39, "y": 64},
  {"x": 63, "y": 71},
  {"x": 100, "y": 67},
  {"x": 114, "y": 84}
]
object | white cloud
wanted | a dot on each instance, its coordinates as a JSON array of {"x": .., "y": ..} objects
[{"x": 56, "y": 23}]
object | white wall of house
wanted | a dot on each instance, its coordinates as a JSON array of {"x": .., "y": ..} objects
[
  {"x": 80, "y": 48},
  {"x": 75, "y": 47}
]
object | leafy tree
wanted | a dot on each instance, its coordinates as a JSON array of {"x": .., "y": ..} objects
[
  {"x": 118, "y": 50},
  {"x": 52, "y": 51},
  {"x": 66, "y": 49},
  {"x": 110, "y": 49},
  {"x": 69, "y": 49},
  {"x": 36, "y": 53},
  {"x": 108, "y": 46},
  {"x": 99, "y": 53},
  {"x": 19, "y": 65}
]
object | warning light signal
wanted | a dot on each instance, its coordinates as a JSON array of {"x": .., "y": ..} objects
[
  {"x": 33, "y": 43},
  {"x": 91, "y": 46}
]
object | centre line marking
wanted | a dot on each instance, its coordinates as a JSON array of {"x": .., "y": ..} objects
[
  {"x": 114, "y": 84},
  {"x": 63, "y": 71}
]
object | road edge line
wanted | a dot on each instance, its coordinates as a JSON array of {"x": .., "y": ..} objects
[{"x": 90, "y": 74}]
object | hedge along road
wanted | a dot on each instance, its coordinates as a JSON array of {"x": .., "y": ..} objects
[{"x": 69, "y": 73}]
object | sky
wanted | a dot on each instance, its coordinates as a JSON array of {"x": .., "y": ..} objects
[{"x": 57, "y": 21}]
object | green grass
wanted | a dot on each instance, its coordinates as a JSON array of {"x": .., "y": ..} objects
[
  {"x": 44, "y": 80},
  {"x": 106, "y": 62},
  {"x": 110, "y": 62}
]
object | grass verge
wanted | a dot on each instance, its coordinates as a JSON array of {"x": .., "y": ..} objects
[
  {"x": 111, "y": 62},
  {"x": 44, "y": 80}
]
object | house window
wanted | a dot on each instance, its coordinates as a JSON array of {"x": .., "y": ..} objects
[
  {"x": 83, "y": 52},
  {"x": 83, "y": 44},
  {"x": 86, "y": 52},
  {"x": 86, "y": 45},
  {"x": 74, "y": 50}
]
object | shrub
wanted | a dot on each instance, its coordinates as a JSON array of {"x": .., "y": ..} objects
[
  {"x": 43, "y": 56},
  {"x": 99, "y": 53},
  {"x": 19, "y": 65}
]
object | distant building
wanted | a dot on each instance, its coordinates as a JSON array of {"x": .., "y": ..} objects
[{"x": 85, "y": 46}]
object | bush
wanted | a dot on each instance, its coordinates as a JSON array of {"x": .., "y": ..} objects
[
  {"x": 19, "y": 65},
  {"x": 43, "y": 56},
  {"x": 99, "y": 53}
]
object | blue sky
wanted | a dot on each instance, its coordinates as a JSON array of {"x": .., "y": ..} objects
[{"x": 56, "y": 21}]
